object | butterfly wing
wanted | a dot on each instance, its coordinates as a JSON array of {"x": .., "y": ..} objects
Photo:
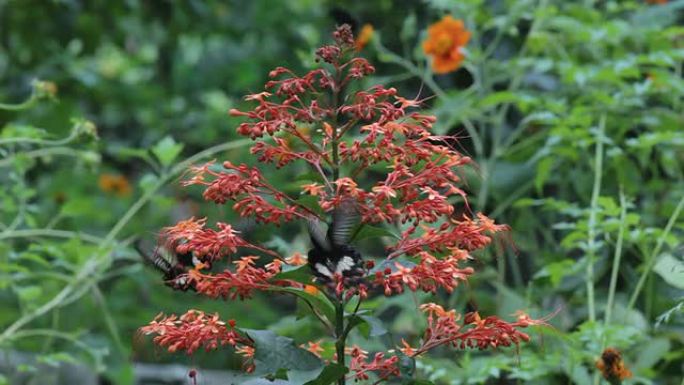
[
  {"x": 160, "y": 260},
  {"x": 318, "y": 234},
  {"x": 345, "y": 218},
  {"x": 168, "y": 263}
]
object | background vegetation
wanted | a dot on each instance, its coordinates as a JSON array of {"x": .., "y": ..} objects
[{"x": 572, "y": 111}]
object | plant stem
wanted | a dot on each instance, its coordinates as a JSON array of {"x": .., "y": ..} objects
[
  {"x": 28, "y": 103},
  {"x": 591, "y": 236},
  {"x": 50, "y": 151},
  {"x": 100, "y": 259},
  {"x": 50, "y": 233},
  {"x": 340, "y": 334},
  {"x": 616, "y": 259},
  {"x": 650, "y": 262},
  {"x": 59, "y": 142}
]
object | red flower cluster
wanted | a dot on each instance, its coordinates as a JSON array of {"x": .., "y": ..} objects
[
  {"x": 194, "y": 330},
  {"x": 339, "y": 137},
  {"x": 238, "y": 284},
  {"x": 381, "y": 366},
  {"x": 247, "y": 188},
  {"x": 475, "y": 332},
  {"x": 430, "y": 274},
  {"x": 191, "y": 236}
]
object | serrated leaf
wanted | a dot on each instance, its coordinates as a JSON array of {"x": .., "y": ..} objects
[
  {"x": 671, "y": 270},
  {"x": 167, "y": 150}
]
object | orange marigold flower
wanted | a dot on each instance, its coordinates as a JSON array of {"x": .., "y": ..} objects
[
  {"x": 444, "y": 43},
  {"x": 612, "y": 366},
  {"x": 365, "y": 36},
  {"x": 115, "y": 184}
]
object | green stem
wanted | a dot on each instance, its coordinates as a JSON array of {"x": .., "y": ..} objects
[
  {"x": 650, "y": 262},
  {"x": 109, "y": 319},
  {"x": 616, "y": 259},
  {"x": 593, "y": 210},
  {"x": 99, "y": 260},
  {"x": 410, "y": 67},
  {"x": 50, "y": 333},
  {"x": 50, "y": 233},
  {"x": 339, "y": 333},
  {"x": 28, "y": 103},
  {"x": 60, "y": 142},
  {"x": 51, "y": 151}
]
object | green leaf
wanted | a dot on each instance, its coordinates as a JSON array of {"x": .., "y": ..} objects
[
  {"x": 309, "y": 177},
  {"x": 329, "y": 375},
  {"x": 310, "y": 202},
  {"x": 651, "y": 353},
  {"x": 368, "y": 325},
  {"x": 544, "y": 168},
  {"x": 556, "y": 271},
  {"x": 408, "y": 29},
  {"x": 274, "y": 353},
  {"x": 671, "y": 270},
  {"x": 264, "y": 381},
  {"x": 167, "y": 150},
  {"x": 367, "y": 231},
  {"x": 29, "y": 294},
  {"x": 318, "y": 301},
  {"x": 301, "y": 274},
  {"x": 148, "y": 181},
  {"x": 419, "y": 382}
]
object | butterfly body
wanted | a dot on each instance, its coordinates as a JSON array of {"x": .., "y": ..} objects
[
  {"x": 343, "y": 260},
  {"x": 173, "y": 266},
  {"x": 332, "y": 254}
]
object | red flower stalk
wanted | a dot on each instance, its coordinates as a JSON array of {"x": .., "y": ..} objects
[
  {"x": 238, "y": 284},
  {"x": 379, "y": 365},
  {"x": 339, "y": 136},
  {"x": 430, "y": 274},
  {"x": 475, "y": 332},
  {"x": 194, "y": 330}
]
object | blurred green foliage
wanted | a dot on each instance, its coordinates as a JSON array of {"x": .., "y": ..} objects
[{"x": 572, "y": 111}]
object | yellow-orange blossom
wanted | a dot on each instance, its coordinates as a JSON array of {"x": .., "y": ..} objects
[{"x": 444, "y": 42}]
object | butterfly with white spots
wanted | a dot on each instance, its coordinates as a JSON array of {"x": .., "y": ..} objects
[
  {"x": 174, "y": 266},
  {"x": 332, "y": 253}
]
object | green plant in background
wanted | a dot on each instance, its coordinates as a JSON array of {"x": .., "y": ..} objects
[
  {"x": 46, "y": 266},
  {"x": 570, "y": 110},
  {"x": 581, "y": 103}
]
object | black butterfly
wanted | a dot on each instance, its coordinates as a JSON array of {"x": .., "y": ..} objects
[
  {"x": 173, "y": 265},
  {"x": 332, "y": 253}
]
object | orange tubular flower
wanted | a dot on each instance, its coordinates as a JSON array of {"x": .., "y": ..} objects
[{"x": 444, "y": 42}]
